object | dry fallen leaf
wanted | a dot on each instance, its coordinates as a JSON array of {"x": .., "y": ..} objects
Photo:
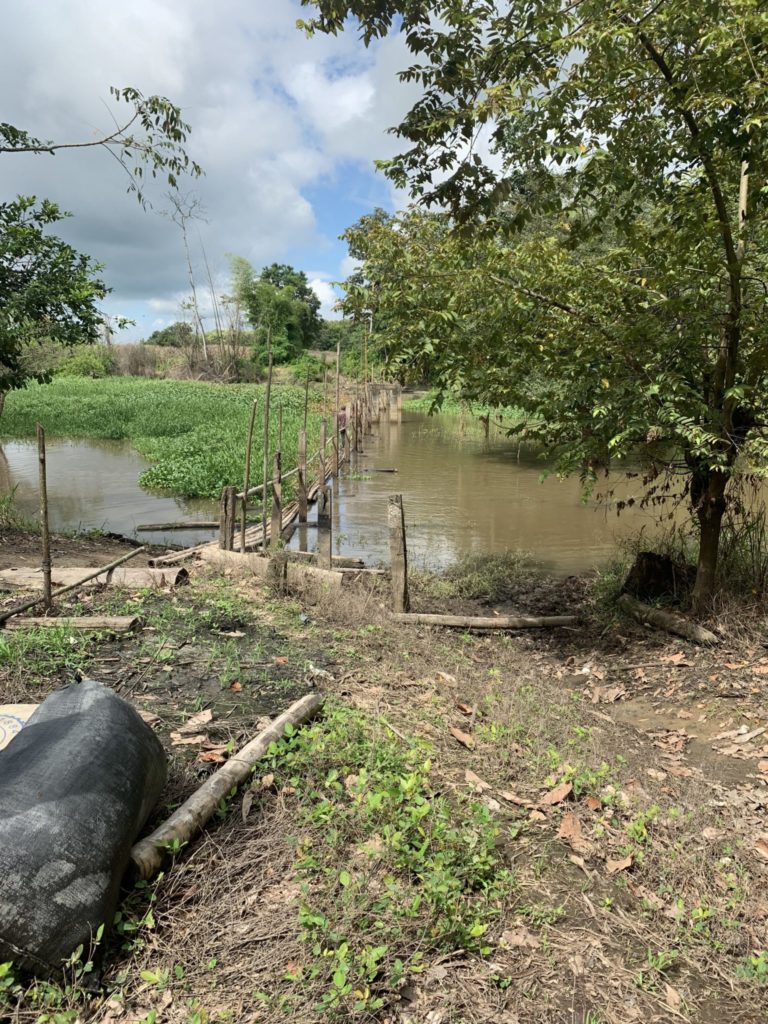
[
  {"x": 465, "y": 709},
  {"x": 607, "y": 695},
  {"x": 349, "y": 783},
  {"x": 236, "y": 687},
  {"x": 281, "y": 660},
  {"x": 760, "y": 670},
  {"x": 672, "y": 997},
  {"x": 675, "y": 659},
  {"x": 446, "y": 677},
  {"x": 267, "y": 781},
  {"x": 519, "y": 938},
  {"x": 149, "y": 717},
  {"x": 194, "y": 723},
  {"x": 557, "y": 795},
  {"x": 614, "y": 866},
  {"x": 463, "y": 737},
  {"x": 513, "y": 798},
  {"x": 762, "y": 766},
  {"x": 475, "y": 780},
  {"x": 247, "y": 803},
  {"x": 570, "y": 828},
  {"x": 761, "y": 847},
  {"x": 537, "y": 816},
  {"x": 216, "y": 756},
  {"x": 593, "y": 803},
  {"x": 177, "y": 740}
]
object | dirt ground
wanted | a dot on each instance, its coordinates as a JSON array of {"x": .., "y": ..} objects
[{"x": 622, "y": 773}]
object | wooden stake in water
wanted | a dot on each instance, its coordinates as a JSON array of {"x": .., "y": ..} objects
[
  {"x": 277, "y": 502},
  {"x": 398, "y": 554},
  {"x": 247, "y": 484},
  {"x": 302, "y": 485},
  {"x": 322, "y": 472},
  {"x": 325, "y": 527},
  {"x": 45, "y": 534},
  {"x": 265, "y": 458}
]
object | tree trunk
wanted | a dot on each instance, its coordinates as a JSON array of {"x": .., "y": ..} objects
[
  {"x": 2, "y": 401},
  {"x": 709, "y": 505}
]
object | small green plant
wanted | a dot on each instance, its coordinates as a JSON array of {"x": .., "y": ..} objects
[{"x": 754, "y": 968}]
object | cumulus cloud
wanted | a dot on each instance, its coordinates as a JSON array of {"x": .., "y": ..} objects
[{"x": 276, "y": 119}]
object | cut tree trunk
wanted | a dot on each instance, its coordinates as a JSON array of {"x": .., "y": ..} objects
[{"x": 480, "y": 622}]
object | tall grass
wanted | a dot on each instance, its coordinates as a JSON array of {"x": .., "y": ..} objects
[{"x": 192, "y": 432}]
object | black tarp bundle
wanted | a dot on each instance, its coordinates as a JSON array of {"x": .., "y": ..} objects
[{"x": 76, "y": 786}]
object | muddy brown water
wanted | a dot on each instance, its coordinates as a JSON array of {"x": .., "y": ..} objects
[{"x": 462, "y": 495}]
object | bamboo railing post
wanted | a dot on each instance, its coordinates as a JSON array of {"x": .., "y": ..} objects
[
  {"x": 302, "y": 485},
  {"x": 227, "y": 518},
  {"x": 398, "y": 554},
  {"x": 325, "y": 527},
  {"x": 247, "y": 484},
  {"x": 265, "y": 454},
  {"x": 321, "y": 469},
  {"x": 337, "y": 406},
  {"x": 45, "y": 533},
  {"x": 306, "y": 400},
  {"x": 276, "y": 526}
]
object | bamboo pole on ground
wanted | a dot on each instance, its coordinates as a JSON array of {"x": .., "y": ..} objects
[
  {"x": 4, "y": 616},
  {"x": 481, "y": 622},
  {"x": 186, "y": 821},
  {"x": 302, "y": 485},
  {"x": 275, "y": 529},
  {"x": 265, "y": 455},
  {"x": 45, "y": 533},
  {"x": 398, "y": 554},
  {"x": 247, "y": 483}
]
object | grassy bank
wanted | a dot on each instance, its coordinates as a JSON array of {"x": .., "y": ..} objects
[
  {"x": 192, "y": 432},
  {"x": 452, "y": 405},
  {"x": 541, "y": 828}
]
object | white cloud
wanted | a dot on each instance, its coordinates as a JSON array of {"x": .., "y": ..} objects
[
  {"x": 274, "y": 116},
  {"x": 328, "y": 296}
]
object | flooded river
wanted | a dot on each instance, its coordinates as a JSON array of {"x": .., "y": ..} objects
[{"x": 462, "y": 495}]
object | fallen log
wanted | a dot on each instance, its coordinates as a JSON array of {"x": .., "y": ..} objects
[
  {"x": 201, "y": 524},
  {"x": 105, "y": 623},
  {"x": 339, "y": 561},
  {"x": 189, "y": 819},
  {"x": 480, "y": 622},
  {"x": 131, "y": 579},
  {"x": 4, "y": 616},
  {"x": 258, "y": 565},
  {"x": 668, "y": 621}
]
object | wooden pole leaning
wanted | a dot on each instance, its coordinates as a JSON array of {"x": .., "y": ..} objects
[
  {"x": 398, "y": 554},
  {"x": 45, "y": 532},
  {"x": 322, "y": 471},
  {"x": 4, "y": 616}
]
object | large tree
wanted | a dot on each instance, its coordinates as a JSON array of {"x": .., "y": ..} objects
[
  {"x": 48, "y": 290},
  {"x": 281, "y": 275},
  {"x": 653, "y": 115}
]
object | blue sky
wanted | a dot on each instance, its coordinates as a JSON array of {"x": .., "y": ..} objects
[{"x": 286, "y": 129}]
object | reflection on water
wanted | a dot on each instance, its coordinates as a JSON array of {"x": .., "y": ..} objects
[
  {"x": 94, "y": 485},
  {"x": 462, "y": 495}
]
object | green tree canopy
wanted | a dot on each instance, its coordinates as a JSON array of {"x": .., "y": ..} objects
[
  {"x": 176, "y": 335},
  {"x": 48, "y": 290},
  {"x": 652, "y": 271},
  {"x": 280, "y": 307}
]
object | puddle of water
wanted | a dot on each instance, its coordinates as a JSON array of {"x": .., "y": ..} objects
[
  {"x": 463, "y": 495},
  {"x": 94, "y": 485}
]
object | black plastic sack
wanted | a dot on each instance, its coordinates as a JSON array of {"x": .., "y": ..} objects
[{"x": 76, "y": 786}]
